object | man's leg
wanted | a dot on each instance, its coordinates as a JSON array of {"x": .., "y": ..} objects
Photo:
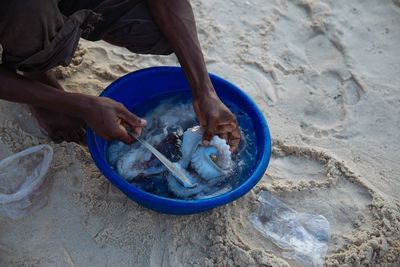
[
  {"x": 137, "y": 31},
  {"x": 27, "y": 28},
  {"x": 59, "y": 127},
  {"x": 125, "y": 23}
]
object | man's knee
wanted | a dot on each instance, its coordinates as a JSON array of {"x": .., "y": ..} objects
[
  {"x": 131, "y": 26},
  {"x": 141, "y": 40},
  {"x": 162, "y": 48},
  {"x": 46, "y": 40},
  {"x": 34, "y": 22}
]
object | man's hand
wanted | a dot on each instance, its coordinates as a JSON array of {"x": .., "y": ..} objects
[
  {"x": 216, "y": 119},
  {"x": 109, "y": 119},
  {"x": 105, "y": 116},
  {"x": 176, "y": 20}
]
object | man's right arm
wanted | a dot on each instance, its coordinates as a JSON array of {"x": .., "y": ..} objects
[
  {"x": 16, "y": 88},
  {"x": 105, "y": 116}
]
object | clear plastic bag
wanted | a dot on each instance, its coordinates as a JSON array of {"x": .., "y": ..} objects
[
  {"x": 21, "y": 181},
  {"x": 303, "y": 237}
]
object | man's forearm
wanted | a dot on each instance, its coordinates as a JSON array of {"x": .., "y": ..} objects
[
  {"x": 15, "y": 88},
  {"x": 176, "y": 20}
]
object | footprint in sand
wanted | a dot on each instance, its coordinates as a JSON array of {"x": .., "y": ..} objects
[
  {"x": 300, "y": 167},
  {"x": 324, "y": 109},
  {"x": 328, "y": 104},
  {"x": 296, "y": 168},
  {"x": 312, "y": 66},
  {"x": 324, "y": 56},
  {"x": 353, "y": 91},
  {"x": 251, "y": 79},
  {"x": 345, "y": 206},
  {"x": 332, "y": 89},
  {"x": 313, "y": 182}
]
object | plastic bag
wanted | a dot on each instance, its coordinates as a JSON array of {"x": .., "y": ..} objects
[
  {"x": 21, "y": 181},
  {"x": 303, "y": 237}
]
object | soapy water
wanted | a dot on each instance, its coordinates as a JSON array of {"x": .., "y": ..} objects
[{"x": 167, "y": 119}]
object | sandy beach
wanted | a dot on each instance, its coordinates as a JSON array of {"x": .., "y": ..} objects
[{"x": 325, "y": 73}]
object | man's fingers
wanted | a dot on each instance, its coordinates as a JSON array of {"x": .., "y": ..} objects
[
  {"x": 224, "y": 136},
  {"x": 207, "y": 135},
  {"x": 233, "y": 144},
  {"x": 118, "y": 131},
  {"x": 225, "y": 127},
  {"x": 138, "y": 130},
  {"x": 121, "y": 133},
  {"x": 234, "y": 140},
  {"x": 228, "y": 131},
  {"x": 133, "y": 120}
]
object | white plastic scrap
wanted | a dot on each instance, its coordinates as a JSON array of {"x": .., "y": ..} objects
[
  {"x": 303, "y": 237},
  {"x": 21, "y": 179}
]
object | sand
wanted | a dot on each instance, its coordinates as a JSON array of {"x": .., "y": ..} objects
[{"x": 325, "y": 74}]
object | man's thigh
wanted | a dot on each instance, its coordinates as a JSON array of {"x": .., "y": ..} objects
[
  {"x": 36, "y": 36},
  {"x": 126, "y": 23}
]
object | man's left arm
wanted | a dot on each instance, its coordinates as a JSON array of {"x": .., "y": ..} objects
[{"x": 176, "y": 20}]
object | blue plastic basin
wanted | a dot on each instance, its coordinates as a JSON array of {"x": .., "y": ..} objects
[{"x": 150, "y": 83}]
